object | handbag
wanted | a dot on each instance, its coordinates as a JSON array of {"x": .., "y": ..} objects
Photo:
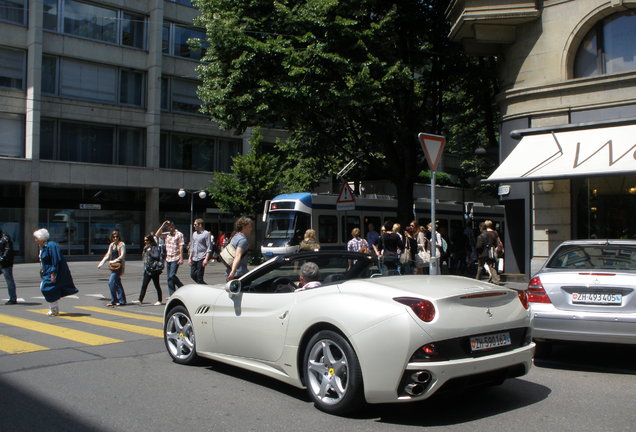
[
  {"x": 422, "y": 259},
  {"x": 114, "y": 266},
  {"x": 227, "y": 254}
]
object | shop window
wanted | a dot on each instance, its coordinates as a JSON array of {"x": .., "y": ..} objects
[
  {"x": 604, "y": 207},
  {"x": 11, "y": 135},
  {"x": 608, "y": 47},
  {"x": 12, "y": 68},
  {"x": 13, "y": 11},
  {"x": 94, "y": 22}
]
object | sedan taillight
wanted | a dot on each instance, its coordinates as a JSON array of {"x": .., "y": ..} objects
[
  {"x": 424, "y": 309},
  {"x": 536, "y": 292}
]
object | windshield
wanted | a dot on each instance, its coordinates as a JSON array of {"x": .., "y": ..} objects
[
  {"x": 605, "y": 257},
  {"x": 280, "y": 225}
]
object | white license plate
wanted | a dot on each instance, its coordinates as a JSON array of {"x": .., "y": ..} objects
[
  {"x": 478, "y": 343},
  {"x": 596, "y": 298}
]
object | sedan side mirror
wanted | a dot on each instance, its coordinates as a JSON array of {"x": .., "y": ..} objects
[{"x": 233, "y": 287}]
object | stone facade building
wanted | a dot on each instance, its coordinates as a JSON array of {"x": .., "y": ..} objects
[{"x": 568, "y": 106}]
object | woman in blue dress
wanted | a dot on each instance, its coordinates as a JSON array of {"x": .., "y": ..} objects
[
  {"x": 57, "y": 281},
  {"x": 116, "y": 258}
]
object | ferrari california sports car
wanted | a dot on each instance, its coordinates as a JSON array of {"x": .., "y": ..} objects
[
  {"x": 586, "y": 292},
  {"x": 357, "y": 337}
]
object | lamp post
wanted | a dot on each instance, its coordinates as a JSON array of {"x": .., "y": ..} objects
[{"x": 183, "y": 192}]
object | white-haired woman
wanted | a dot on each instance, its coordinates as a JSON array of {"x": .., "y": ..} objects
[{"x": 57, "y": 281}]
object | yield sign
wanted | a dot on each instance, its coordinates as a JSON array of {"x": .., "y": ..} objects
[{"x": 433, "y": 146}]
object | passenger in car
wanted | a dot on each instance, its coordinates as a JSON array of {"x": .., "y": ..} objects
[{"x": 309, "y": 276}]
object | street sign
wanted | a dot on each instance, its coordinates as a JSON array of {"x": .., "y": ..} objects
[
  {"x": 90, "y": 206},
  {"x": 346, "y": 200},
  {"x": 433, "y": 146}
]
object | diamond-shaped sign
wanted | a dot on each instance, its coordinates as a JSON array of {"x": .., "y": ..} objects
[{"x": 433, "y": 146}]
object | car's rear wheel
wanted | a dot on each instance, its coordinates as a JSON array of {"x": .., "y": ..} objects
[
  {"x": 332, "y": 373},
  {"x": 178, "y": 335}
]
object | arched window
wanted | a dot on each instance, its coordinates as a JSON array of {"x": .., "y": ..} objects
[{"x": 609, "y": 47}]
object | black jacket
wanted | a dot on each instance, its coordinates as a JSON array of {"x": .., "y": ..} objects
[{"x": 6, "y": 251}]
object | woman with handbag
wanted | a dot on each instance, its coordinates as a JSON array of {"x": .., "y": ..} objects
[
  {"x": 153, "y": 266},
  {"x": 116, "y": 257}
]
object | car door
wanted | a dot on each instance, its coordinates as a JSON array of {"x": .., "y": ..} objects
[{"x": 252, "y": 325}]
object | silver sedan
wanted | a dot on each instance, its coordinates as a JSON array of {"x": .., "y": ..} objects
[{"x": 586, "y": 292}]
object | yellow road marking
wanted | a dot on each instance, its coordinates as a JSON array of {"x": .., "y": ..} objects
[
  {"x": 57, "y": 331},
  {"x": 16, "y": 346},
  {"x": 141, "y": 317},
  {"x": 105, "y": 323}
]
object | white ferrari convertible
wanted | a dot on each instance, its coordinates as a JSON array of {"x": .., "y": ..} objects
[{"x": 355, "y": 336}]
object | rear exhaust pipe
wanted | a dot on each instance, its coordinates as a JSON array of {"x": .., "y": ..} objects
[
  {"x": 421, "y": 377},
  {"x": 414, "y": 389}
]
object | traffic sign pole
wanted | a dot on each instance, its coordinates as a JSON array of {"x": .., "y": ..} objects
[{"x": 433, "y": 146}]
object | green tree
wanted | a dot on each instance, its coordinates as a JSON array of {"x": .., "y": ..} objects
[
  {"x": 254, "y": 178},
  {"x": 349, "y": 80}
]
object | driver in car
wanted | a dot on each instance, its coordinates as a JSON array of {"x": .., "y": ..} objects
[{"x": 309, "y": 276}]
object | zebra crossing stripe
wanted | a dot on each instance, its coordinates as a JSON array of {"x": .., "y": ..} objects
[
  {"x": 57, "y": 331},
  {"x": 146, "y": 331},
  {"x": 16, "y": 346},
  {"x": 121, "y": 314}
]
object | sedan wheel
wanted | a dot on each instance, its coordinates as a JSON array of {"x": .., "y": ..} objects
[
  {"x": 332, "y": 373},
  {"x": 179, "y": 336}
]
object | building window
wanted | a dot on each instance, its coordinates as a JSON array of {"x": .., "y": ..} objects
[
  {"x": 11, "y": 135},
  {"x": 94, "y": 22},
  {"x": 175, "y": 41},
  {"x": 92, "y": 81},
  {"x": 180, "y": 96},
  {"x": 608, "y": 47},
  {"x": 197, "y": 153},
  {"x": 13, "y": 11},
  {"x": 12, "y": 68},
  {"x": 89, "y": 143},
  {"x": 182, "y": 2}
]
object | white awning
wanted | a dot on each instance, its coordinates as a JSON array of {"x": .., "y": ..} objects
[{"x": 587, "y": 152}]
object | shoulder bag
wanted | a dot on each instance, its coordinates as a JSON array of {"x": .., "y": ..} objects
[{"x": 227, "y": 254}]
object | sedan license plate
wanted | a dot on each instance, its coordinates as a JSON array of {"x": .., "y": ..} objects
[
  {"x": 478, "y": 343},
  {"x": 597, "y": 298}
]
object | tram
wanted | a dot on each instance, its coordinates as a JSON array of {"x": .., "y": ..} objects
[{"x": 288, "y": 216}]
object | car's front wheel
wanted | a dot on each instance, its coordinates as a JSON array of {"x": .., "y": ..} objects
[
  {"x": 178, "y": 335},
  {"x": 332, "y": 373}
]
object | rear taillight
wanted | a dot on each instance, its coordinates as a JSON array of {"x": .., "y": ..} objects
[
  {"x": 536, "y": 292},
  {"x": 424, "y": 309},
  {"x": 523, "y": 297}
]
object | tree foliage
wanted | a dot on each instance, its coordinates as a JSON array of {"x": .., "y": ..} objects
[
  {"x": 349, "y": 80},
  {"x": 254, "y": 178}
]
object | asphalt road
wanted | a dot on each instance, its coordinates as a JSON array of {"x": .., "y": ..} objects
[{"x": 132, "y": 385}]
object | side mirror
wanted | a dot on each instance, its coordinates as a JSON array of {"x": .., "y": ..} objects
[{"x": 233, "y": 287}]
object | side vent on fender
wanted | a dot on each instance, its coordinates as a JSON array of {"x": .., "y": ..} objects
[{"x": 202, "y": 310}]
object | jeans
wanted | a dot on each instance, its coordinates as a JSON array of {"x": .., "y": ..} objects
[
  {"x": 117, "y": 294},
  {"x": 8, "y": 276},
  {"x": 173, "y": 279},
  {"x": 196, "y": 271},
  {"x": 144, "y": 285}
]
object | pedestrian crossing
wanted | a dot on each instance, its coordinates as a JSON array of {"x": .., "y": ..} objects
[{"x": 20, "y": 335}]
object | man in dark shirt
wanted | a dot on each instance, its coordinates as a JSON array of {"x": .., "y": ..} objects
[{"x": 6, "y": 265}]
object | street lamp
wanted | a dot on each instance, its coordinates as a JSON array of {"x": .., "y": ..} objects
[{"x": 183, "y": 192}]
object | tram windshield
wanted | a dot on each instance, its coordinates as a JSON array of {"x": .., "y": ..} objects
[{"x": 286, "y": 225}]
